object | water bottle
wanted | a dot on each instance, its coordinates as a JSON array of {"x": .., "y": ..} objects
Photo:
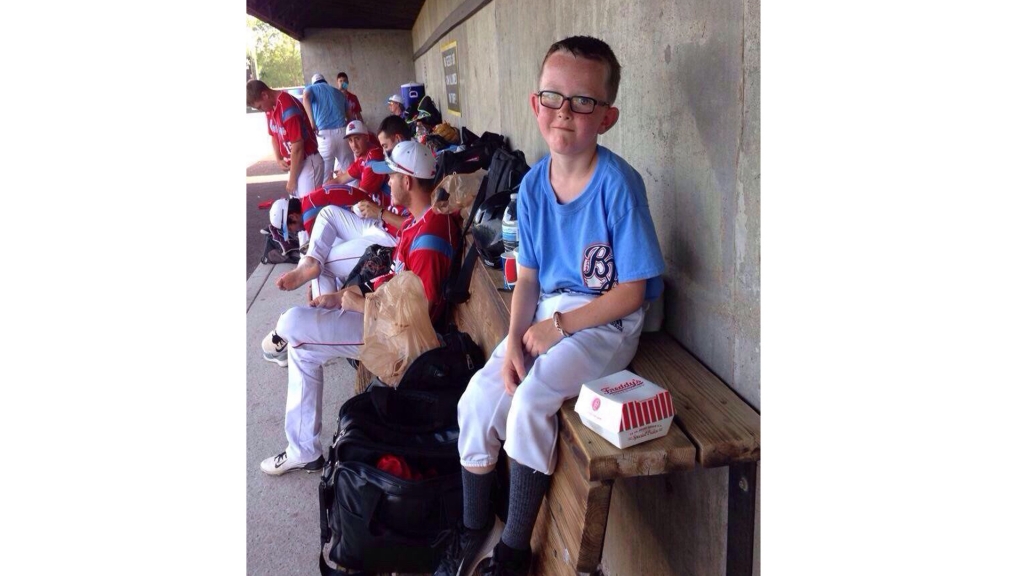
[{"x": 510, "y": 226}]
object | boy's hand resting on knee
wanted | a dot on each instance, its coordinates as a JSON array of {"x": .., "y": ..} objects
[
  {"x": 541, "y": 337},
  {"x": 513, "y": 370}
]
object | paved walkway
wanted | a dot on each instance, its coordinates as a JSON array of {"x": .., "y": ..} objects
[{"x": 283, "y": 520}]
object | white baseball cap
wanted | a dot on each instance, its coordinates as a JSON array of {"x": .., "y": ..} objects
[
  {"x": 397, "y": 100},
  {"x": 410, "y": 158},
  {"x": 356, "y": 127},
  {"x": 279, "y": 216},
  {"x": 318, "y": 77}
]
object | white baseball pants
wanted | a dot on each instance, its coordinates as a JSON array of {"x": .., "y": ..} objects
[
  {"x": 311, "y": 177},
  {"x": 315, "y": 336},
  {"x": 339, "y": 238},
  {"x": 333, "y": 147},
  {"x": 528, "y": 421}
]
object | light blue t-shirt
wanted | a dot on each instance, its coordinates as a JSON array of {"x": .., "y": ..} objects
[
  {"x": 603, "y": 237},
  {"x": 330, "y": 107}
]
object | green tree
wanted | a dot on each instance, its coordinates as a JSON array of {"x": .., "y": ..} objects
[{"x": 276, "y": 57}]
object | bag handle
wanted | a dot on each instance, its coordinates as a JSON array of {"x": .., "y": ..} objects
[{"x": 326, "y": 503}]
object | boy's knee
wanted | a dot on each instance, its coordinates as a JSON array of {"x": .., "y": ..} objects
[
  {"x": 535, "y": 400},
  {"x": 467, "y": 405},
  {"x": 526, "y": 401}
]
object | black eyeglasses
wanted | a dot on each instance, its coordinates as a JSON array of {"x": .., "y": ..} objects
[{"x": 578, "y": 104}]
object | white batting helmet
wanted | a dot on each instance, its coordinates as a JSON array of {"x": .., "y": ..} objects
[{"x": 279, "y": 216}]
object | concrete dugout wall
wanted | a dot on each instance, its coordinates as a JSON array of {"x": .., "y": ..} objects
[
  {"x": 377, "y": 63},
  {"x": 690, "y": 124}
]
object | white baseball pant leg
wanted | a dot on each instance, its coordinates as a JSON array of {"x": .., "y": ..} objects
[
  {"x": 331, "y": 144},
  {"x": 339, "y": 238},
  {"x": 311, "y": 177},
  {"x": 528, "y": 421},
  {"x": 315, "y": 336}
]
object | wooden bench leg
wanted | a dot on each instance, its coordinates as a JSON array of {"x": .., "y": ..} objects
[
  {"x": 739, "y": 559},
  {"x": 363, "y": 378},
  {"x": 569, "y": 535}
]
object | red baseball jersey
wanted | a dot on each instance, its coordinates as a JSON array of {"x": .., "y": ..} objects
[
  {"x": 353, "y": 106},
  {"x": 368, "y": 180},
  {"x": 330, "y": 195},
  {"x": 426, "y": 248},
  {"x": 287, "y": 122}
]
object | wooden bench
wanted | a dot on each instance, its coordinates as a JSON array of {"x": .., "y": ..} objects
[{"x": 713, "y": 427}]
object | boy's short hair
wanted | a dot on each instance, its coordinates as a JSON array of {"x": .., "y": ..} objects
[
  {"x": 591, "y": 49},
  {"x": 393, "y": 125},
  {"x": 343, "y": 75},
  {"x": 253, "y": 90},
  {"x": 294, "y": 206}
]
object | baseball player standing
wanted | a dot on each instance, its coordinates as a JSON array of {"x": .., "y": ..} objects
[
  {"x": 588, "y": 256},
  {"x": 291, "y": 137},
  {"x": 328, "y": 109},
  {"x": 355, "y": 111}
]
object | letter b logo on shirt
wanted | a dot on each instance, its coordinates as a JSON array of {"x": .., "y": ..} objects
[{"x": 598, "y": 267}]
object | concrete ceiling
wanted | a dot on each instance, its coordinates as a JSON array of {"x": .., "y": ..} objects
[{"x": 293, "y": 17}]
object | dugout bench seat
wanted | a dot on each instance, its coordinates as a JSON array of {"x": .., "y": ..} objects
[{"x": 713, "y": 427}]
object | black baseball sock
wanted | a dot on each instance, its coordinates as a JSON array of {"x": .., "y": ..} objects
[
  {"x": 476, "y": 499},
  {"x": 526, "y": 492}
]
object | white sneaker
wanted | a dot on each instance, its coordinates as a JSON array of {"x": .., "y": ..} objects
[
  {"x": 275, "y": 349},
  {"x": 278, "y": 465}
]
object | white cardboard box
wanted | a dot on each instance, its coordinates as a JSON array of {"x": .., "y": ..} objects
[{"x": 625, "y": 409}]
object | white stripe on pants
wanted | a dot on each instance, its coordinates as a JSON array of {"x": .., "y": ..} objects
[
  {"x": 338, "y": 240},
  {"x": 315, "y": 336},
  {"x": 527, "y": 421}
]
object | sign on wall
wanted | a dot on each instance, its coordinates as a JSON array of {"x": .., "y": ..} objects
[{"x": 451, "y": 78}]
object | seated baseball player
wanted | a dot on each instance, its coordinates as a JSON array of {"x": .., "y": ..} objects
[
  {"x": 300, "y": 214},
  {"x": 392, "y": 131},
  {"x": 588, "y": 259},
  {"x": 339, "y": 237},
  {"x": 333, "y": 326}
]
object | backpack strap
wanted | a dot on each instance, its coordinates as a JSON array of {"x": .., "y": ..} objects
[{"x": 458, "y": 290}]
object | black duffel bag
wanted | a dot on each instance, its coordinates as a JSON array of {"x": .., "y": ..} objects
[
  {"x": 427, "y": 396},
  {"x": 374, "y": 521}
]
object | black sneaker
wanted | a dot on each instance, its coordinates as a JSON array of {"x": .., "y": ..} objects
[
  {"x": 505, "y": 561},
  {"x": 466, "y": 548}
]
